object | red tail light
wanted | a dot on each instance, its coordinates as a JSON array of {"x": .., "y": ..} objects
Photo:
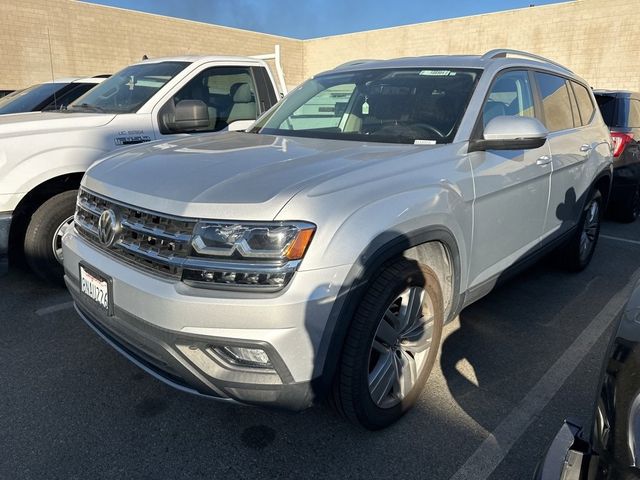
[{"x": 620, "y": 140}]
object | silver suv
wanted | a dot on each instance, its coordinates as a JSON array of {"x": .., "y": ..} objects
[{"x": 321, "y": 253}]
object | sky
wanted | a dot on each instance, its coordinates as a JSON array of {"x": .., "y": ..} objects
[{"x": 317, "y": 18}]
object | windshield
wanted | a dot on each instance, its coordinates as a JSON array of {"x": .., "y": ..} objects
[
  {"x": 129, "y": 89},
  {"x": 30, "y": 98},
  {"x": 418, "y": 105}
]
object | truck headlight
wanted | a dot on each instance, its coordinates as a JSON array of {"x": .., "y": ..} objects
[{"x": 244, "y": 256}]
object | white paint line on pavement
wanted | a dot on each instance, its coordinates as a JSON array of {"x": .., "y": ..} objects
[
  {"x": 620, "y": 239},
  {"x": 54, "y": 308},
  {"x": 498, "y": 444}
]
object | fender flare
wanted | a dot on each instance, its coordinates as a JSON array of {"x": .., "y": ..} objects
[{"x": 383, "y": 248}]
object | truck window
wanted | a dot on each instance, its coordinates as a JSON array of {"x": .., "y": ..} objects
[
  {"x": 129, "y": 89},
  {"x": 228, "y": 92}
]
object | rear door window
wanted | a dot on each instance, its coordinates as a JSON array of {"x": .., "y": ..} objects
[
  {"x": 608, "y": 108},
  {"x": 556, "y": 102}
]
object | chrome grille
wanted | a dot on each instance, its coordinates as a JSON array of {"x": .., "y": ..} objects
[{"x": 152, "y": 241}]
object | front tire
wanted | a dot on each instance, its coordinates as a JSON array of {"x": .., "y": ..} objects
[
  {"x": 579, "y": 250},
  {"x": 391, "y": 345},
  {"x": 43, "y": 239}
]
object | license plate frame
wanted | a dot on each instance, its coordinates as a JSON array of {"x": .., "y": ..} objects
[{"x": 100, "y": 280}]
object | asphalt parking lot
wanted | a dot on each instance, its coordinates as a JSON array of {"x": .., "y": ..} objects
[{"x": 512, "y": 367}]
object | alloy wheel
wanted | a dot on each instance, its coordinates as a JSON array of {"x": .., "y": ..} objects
[
  {"x": 56, "y": 243},
  {"x": 400, "y": 347},
  {"x": 590, "y": 229}
]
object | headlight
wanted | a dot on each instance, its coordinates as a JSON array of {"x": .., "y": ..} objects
[
  {"x": 275, "y": 241},
  {"x": 242, "y": 256}
]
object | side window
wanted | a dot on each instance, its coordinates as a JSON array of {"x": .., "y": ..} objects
[
  {"x": 556, "y": 102},
  {"x": 324, "y": 111},
  {"x": 268, "y": 97},
  {"x": 634, "y": 113},
  {"x": 69, "y": 96},
  {"x": 585, "y": 104},
  {"x": 574, "y": 106},
  {"x": 228, "y": 92},
  {"x": 510, "y": 95}
]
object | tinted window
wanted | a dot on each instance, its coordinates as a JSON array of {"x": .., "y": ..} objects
[
  {"x": 228, "y": 92},
  {"x": 585, "y": 105},
  {"x": 607, "y": 105},
  {"x": 411, "y": 105},
  {"x": 71, "y": 94},
  {"x": 29, "y": 98},
  {"x": 555, "y": 102},
  {"x": 510, "y": 95}
]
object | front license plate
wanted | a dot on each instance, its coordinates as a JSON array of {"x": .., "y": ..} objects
[{"x": 96, "y": 287}]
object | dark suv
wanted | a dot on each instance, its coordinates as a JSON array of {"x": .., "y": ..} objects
[{"x": 621, "y": 112}]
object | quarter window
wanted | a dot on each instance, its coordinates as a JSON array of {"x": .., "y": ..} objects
[
  {"x": 584, "y": 102},
  {"x": 556, "y": 102},
  {"x": 510, "y": 95}
]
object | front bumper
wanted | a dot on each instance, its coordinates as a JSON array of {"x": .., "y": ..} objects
[
  {"x": 5, "y": 227},
  {"x": 172, "y": 330}
]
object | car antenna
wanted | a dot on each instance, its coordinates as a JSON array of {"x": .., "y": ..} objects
[{"x": 55, "y": 100}]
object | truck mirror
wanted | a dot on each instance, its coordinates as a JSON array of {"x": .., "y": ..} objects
[{"x": 190, "y": 116}]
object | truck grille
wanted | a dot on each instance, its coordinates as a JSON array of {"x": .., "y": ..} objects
[{"x": 152, "y": 241}]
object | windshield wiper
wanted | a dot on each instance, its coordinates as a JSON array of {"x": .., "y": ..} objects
[{"x": 87, "y": 107}]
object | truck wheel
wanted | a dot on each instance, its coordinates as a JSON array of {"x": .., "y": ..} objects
[
  {"x": 391, "y": 345},
  {"x": 578, "y": 252},
  {"x": 43, "y": 239},
  {"x": 631, "y": 210}
]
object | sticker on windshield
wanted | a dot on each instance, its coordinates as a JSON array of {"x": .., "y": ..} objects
[
  {"x": 437, "y": 73},
  {"x": 417, "y": 141}
]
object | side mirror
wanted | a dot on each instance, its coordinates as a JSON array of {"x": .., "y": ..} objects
[
  {"x": 240, "y": 125},
  {"x": 511, "y": 133},
  {"x": 191, "y": 116}
]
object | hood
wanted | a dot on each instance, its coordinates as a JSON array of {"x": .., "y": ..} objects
[
  {"x": 234, "y": 176},
  {"x": 25, "y": 123}
]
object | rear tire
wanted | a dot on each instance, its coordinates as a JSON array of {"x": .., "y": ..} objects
[
  {"x": 391, "y": 345},
  {"x": 577, "y": 253},
  {"x": 631, "y": 211},
  {"x": 42, "y": 242}
]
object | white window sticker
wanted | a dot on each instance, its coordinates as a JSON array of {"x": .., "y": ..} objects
[
  {"x": 437, "y": 73},
  {"x": 417, "y": 141}
]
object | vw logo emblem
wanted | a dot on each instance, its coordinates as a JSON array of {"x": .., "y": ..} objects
[{"x": 107, "y": 227}]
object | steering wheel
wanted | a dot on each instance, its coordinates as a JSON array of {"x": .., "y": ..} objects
[
  {"x": 429, "y": 128},
  {"x": 406, "y": 126}
]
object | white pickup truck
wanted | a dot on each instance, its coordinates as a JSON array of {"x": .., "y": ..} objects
[{"x": 43, "y": 156}]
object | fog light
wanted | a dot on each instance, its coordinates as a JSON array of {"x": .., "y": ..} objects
[{"x": 247, "y": 357}]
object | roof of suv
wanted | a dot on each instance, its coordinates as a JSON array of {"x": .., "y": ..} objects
[{"x": 503, "y": 56}]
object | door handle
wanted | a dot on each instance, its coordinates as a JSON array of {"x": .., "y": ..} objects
[
  {"x": 586, "y": 148},
  {"x": 543, "y": 160}
]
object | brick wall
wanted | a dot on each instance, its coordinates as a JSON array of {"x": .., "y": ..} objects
[
  {"x": 598, "y": 39},
  {"x": 89, "y": 39}
]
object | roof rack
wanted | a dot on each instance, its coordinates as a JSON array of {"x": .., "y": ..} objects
[
  {"x": 503, "y": 52},
  {"x": 356, "y": 62}
]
